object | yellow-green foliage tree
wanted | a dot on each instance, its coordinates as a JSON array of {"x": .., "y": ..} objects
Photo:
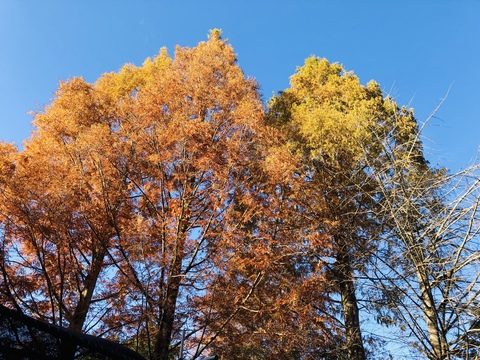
[{"x": 331, "y": 125}]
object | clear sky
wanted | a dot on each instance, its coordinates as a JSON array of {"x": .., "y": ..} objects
[{"x": 416, "y": 50}]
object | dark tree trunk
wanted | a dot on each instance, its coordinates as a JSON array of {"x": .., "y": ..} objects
[
  {"x": 167, "y": 317},
  {"x": 79, "y": 316},
  {"x": 346, "y": 284}
]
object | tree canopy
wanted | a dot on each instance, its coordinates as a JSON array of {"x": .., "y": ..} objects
[{"x": 166, "y": 207}]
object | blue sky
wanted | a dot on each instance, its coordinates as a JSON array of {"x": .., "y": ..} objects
[{"x": 416, "y": 50}]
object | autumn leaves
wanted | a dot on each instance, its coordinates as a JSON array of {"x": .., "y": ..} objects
[{"x": 167, "y": 197}]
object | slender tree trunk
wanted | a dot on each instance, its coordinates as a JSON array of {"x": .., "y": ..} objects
[
  {"x": 345, "y": 279},
  {"x": 81, "y": 310},
  {"x": 164, "y": 337},
  {"x": 436, "y": 339},
  {"x": 79, "y": 316},
  {"x": 167, "y": 317},
  {"x": 438, "y": 343}
]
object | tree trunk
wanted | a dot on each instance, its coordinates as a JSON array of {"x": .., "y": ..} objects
[
  {"x": 81, "y": 310},
  {"x": 437, "y": 341},
  {"x": 345, "y": 280},
  {"x": 164, "y": 337},
  {"x": 167, "y": 317}
]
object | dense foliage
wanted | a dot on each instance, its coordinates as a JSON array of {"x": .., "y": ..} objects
[{"x": 164, "y": 206}]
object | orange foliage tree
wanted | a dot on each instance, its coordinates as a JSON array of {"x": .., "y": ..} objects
[
  {"x": 274, "y": 321},
  {"x": 130, "y": 198},
  {"x": 58, "y": 204}
]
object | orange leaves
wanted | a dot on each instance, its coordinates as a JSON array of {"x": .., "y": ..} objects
[
  {"x": 7, "y": 164},
  {"x": 280, "y": 164},
  {"x": 156, "y": 191},
  {"x": 74, "y": 108}
]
